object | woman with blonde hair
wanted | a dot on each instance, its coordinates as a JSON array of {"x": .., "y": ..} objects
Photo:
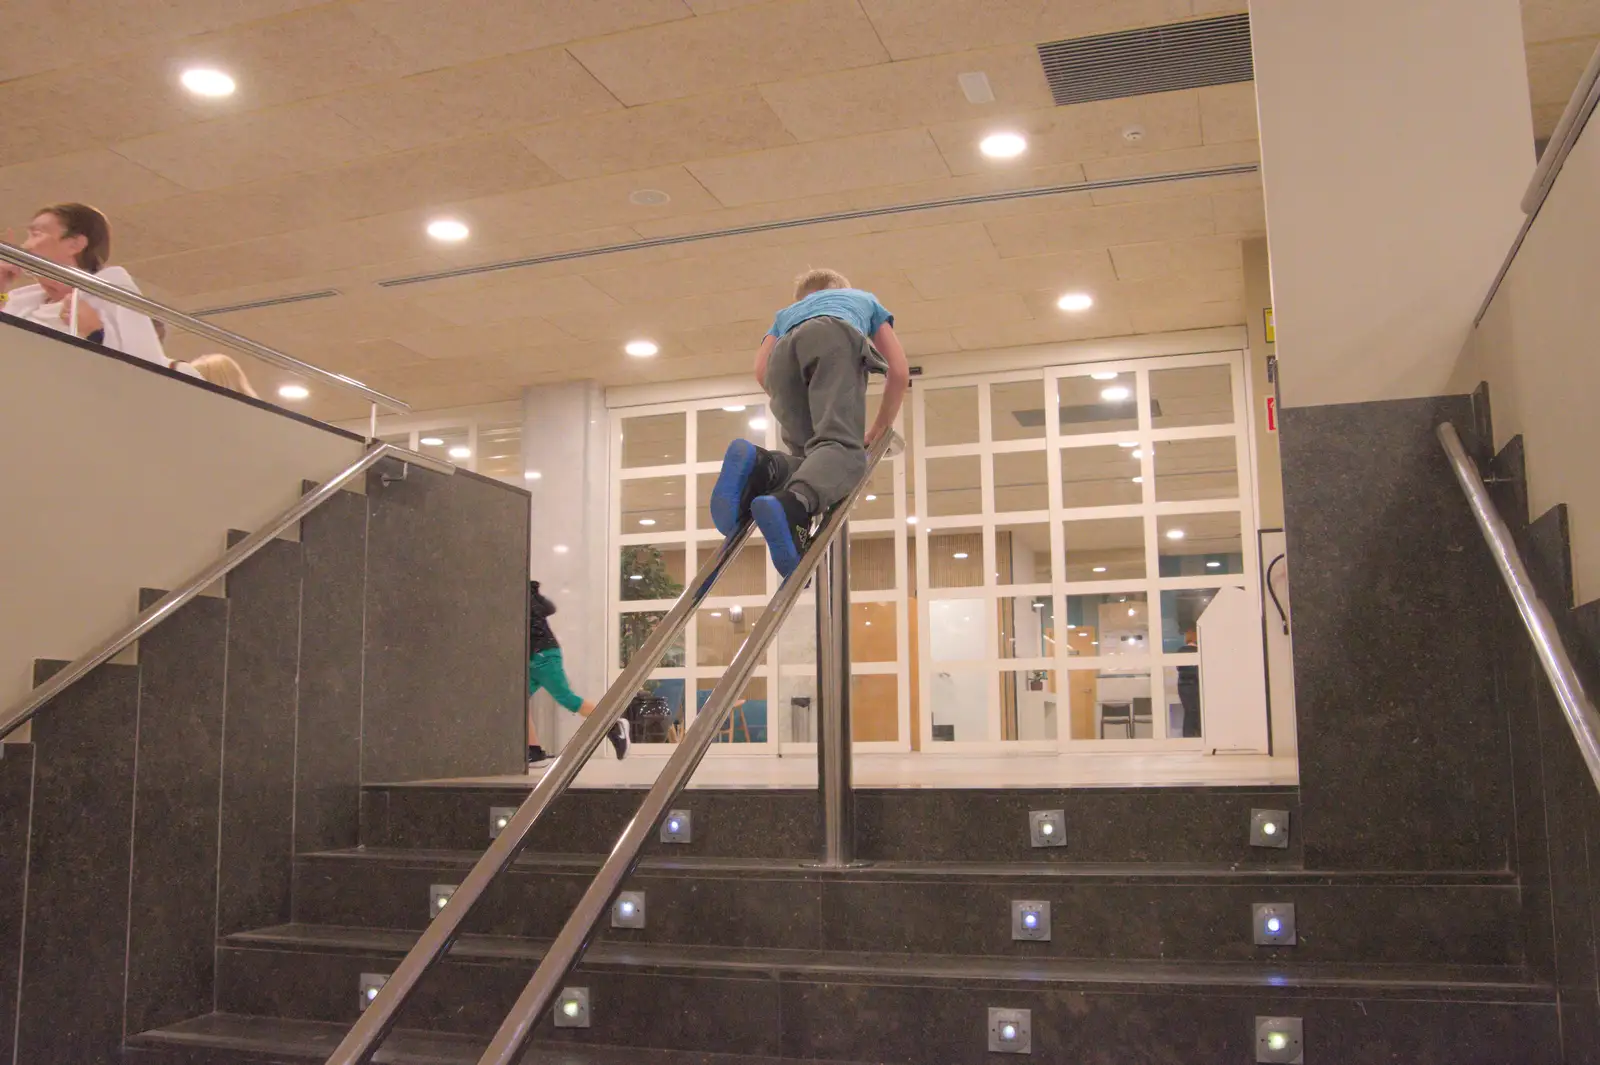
[{"x": 223, "y": 370}]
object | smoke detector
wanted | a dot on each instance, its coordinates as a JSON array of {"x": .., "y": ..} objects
[{"x": 1133, "y": 134}]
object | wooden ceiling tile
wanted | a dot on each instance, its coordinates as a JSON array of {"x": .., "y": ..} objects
[
  {"x": 1555, "y": 20},
  {"x": 1101, "y": 321},
  {"x": 1554, "y": 69},
  {"x": 1059, "y": 272},
  {"x": 1174, "y": 317},
  {"x": 1142, "y": 262},
  {"x": 822, "y": 166},
  {"x": 1243, "y": 212},
  {"x": 742, "y": 46},
  {"x": 952, "y": 312},
  {"x": 251, "y": 147},
  {"x": 925, "y": 27},
  {"x": 916, "y": 92},
  {"x": 675, "y": 131},
  {"x": 592, "y": 203},
  {"x": 1228, "y": 113},
  {"x": 507, "y": 93},
  {"x": 1103, "y": 227},
  {"x": 1167, "y": 190},
  {"x": 512, "y": 334},
  {"x": 98, "y": 176},
  {"x": 515, "y": 294},
  {"x": 439, "y": 31}
]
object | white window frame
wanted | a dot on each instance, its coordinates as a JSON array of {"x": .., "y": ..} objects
[{"x": 990, "y": 664}]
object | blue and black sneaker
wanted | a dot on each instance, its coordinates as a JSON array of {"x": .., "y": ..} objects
[
  {"x": 786, "y": 524},
  {"x": 747, "y": 471}
]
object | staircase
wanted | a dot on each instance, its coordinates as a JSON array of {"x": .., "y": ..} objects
[{"x": 746, "y": 952}]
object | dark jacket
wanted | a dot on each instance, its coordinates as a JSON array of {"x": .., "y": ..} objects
[{"x": 540, "y": 638}]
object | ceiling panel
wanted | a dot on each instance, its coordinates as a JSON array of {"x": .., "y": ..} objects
[
  {"x": 916, "y": 92},
  {"x": 1059, "y": 272},
  {"x": 820, "y": 167},
  {"x": 1081, "y": 132},
  {"x": 1228, "y": 113},
  {"x": 743, "y": 46},
  {"x": 926, "y": 27},
  {"x": 98, "y": 176},
  {"x": 1102, "y": 227},
  {"x": 508, "y": 93},
  {"x": 657, "y": 134},
  {"x": 437, "y": 32},
  {"x": 1142, "y": 262},
  {"x": 252, "y": 147},
  {"x": 1554, "y": 20}
]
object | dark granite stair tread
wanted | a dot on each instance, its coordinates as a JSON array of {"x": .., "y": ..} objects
[
  {"x": 789, "y": 868},
  {"x": 313, "y": 1040},
  {"x": 1498, "y": 982}
]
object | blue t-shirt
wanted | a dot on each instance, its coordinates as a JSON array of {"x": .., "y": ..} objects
[{"x": 861, "y": 309}]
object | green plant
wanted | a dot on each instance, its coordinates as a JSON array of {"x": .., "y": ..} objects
[{"x": 644, "y": 575}]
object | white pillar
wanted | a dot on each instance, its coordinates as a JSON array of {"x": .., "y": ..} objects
[
  {"x": 564, "y": 440},
  {"x": 1396, "y": 140}
]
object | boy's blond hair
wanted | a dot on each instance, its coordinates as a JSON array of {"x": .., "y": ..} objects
[{"x": 818, "y": 279}]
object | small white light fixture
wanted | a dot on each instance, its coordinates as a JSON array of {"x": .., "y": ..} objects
[
  {"x": 758, "y": 424},
  {"x": 1128, "y": 443},
  {"x": 734, "y": 408},
  {"x": 1175, "y": 534},
  {"x": 1107, "y": 375},
  {"x": 1047, "y": 828},
  {"x": 1138, "y": 480},
  {"x": 912, "y": 520},
  {"x": 1274, "y": 924},
  {"x": 1010, "y": 1031},
  {"x": 1269, "y": 829},
  {"x": 716, "y": 613},
  {"x": 641, "y": 349},
  {"x": 648, "y": 198},
  {"x": 572, "y": 1008},
  {"x": 1075, "y": 302},
  {"x": 647, "y": 521},
  {"x": 531, "y": 475},
  {"x": 636, "y": 576},
  {"x": 460, "y": 452},
  {"x": 370, "y": 984},
  {"x": 678, "y": 827},
  {"x": 499, "y": 818},
  {"x": 439, "y": 897},
  {"x": 975, "y": 87},
  {"x": 872, "y": 499},
  {"x": 1030, "y": 920},
  {"x": 560, "y": 549},
  {"x": 959, "y": 554},
  {"x": 293, "y": 391},
  {"x": 449, "y": 230},
  {"x": 628, "y": 911},
  {"x": 1006, "y": 145},
  {"x": 1115, "y": 394},
  {"x": 204, "y": 81},
  {"x": 1138, "y": 453},
  {"x": 430, "y": 441},
  {"x": 1213, "y": 564}
]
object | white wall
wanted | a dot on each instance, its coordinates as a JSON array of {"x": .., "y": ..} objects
[
  {"x": 118, "y": 477},
  {"x": 1396, "y": 139},
  {"x": 564, "y": 439},
  {"x": 1539, "y": 348}
]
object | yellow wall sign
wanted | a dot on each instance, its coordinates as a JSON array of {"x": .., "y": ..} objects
[{"x": 1272, "y": 332}]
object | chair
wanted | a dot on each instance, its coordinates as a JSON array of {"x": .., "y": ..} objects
[
  {"x": 1143, "y": 714},
  {"x": 1119, "y": 714}
]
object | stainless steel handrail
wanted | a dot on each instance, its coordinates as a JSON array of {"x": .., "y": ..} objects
[
  {"x": 22, "y": 712},
  {"x": 1576, "y": 705},
  {"x": 1568, "y": 128},
  {"x": 363, "y": 1039},
  {"x": 93, "y": 285},
  {"x": 564, "y": 953}
]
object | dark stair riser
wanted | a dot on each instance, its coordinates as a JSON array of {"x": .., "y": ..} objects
[
  {"x": 1199, "y": 918},
  {"x": 913, "y": 824},
  {"x": 776, "y": 1014}
]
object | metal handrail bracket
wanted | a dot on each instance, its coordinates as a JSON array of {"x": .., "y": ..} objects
[
  {"x": 568, "y": 947},
  {"x": 1576, "y": 706},
  {"x": 375, "y": 1022},
  {"x": 93, "y": 285},
  {"x": 20, "y": 713}
]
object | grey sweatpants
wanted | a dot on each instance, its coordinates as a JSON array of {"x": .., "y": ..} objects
[{"x": 817, "y": 381}]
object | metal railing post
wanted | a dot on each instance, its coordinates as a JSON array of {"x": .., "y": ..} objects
[{"x": 834, "y": 788}]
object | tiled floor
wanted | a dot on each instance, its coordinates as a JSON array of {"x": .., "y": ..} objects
[{"x": 916, "y": 770}]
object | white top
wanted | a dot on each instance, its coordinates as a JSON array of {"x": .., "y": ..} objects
[{"x": 126, "y": 331}]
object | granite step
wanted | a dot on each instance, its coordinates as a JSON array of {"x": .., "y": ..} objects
[
  {"x": 1128, "y": 911},
  {"x": 854, "y": 1006}
]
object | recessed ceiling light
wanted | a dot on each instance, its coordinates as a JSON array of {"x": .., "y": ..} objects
[
  {"x": 448, "y": 229},
  {"x": 911, "y": 520},
  {"x": 1132, "y": 612},
  {"x": 641, "y": 349},
  {"x": 1099, "y": 569},
  {"x": 734, "y": 408},
  {"x": 1115, "y": 394},
  {"x": 716, "y": 613},
  {"x": 871, "y": 499},
  {"x": 203, "y": 81},
  {"x": 1003, "y": 145},
  {"x": 758, "y": 423},
  {"x": 975, "y": 87},
  {"x": 1128, "y": 443},
  {"x": 1105, "y": 375},
  {"x": 430, "y": 441},
  {"x": 647, "y": 521},
  {"x": 1175, "y": 534},
  {"x": 531, "y": 475},
  {"x": 460, "y": 452},
  {"x": 560, "y": 549},
  {"x": 1138, "y": 480},
  {"x": 1138, "y": 453},
  {"x": 1213, "y": 565},
  {"x": 959, "y": 554},
  {"x": 1074, "y": 302},
  {"x": 648, "y": 197},
  {"x": 293, "y": 391},
  {"x": 636, "y": 576}
]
